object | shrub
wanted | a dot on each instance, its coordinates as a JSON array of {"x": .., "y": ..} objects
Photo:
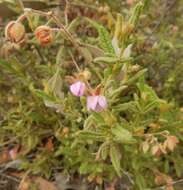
[{"x": 81, "y": 103}]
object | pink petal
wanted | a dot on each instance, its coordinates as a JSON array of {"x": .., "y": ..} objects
[
  {"x": 92, "y": 102},
  {"x": 74, "y": 88},
  {"x": 13, "y": 154},
  {"x": 98, "y": 108},
  {"x": 82, "y": 89},
  {"x": 102, "y": 101},
  {"x": 77, "y": 88}
]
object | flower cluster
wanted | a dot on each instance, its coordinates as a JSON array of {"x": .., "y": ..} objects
[
  {"x": 15, "y": 32},
  {"x": 95, "y": 102},
  {"x": 158, "y": 148}
]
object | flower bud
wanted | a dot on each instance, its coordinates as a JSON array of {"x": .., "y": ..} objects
[
  {"x": 85, "y": 75},
  {"x": 15, "y": 32},
  {"x": 66, "y": 130},
  {"x": 175, "y": 28},
  {"x": 101, "y": 9},
  {"x": 135, "y": 68},
  {"x": 96, "y": 103},
  {"x": 181, "y": 109},
  {"x": 171, "y": 142},
  {"x": 155, "y": 150},
  {"x": 130, "y": 2},
  {"x": 104, "y": 9},
  {"x": 78, "y": 88},
  {"x": 44, "y": 35}
]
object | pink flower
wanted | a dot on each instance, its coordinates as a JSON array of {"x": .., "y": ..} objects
[
  {"x": 13, "y": 154},
  {"x": 96, "y": 103},
  {"x": 78, "y": 88}
]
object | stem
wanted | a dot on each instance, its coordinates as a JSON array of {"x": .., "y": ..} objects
[
  {"x": 66, "y": 12},
  {"x": 21, "y": 18},
  {"x": 8, "y": 142},
  {"x": 23, "y": 178},
  {"x": 10, "y": 177},
  {"x": 76, "y": 65},
  {"x": 57, "y": 21},
  {"x": 173, "y": 183},
  {"x": 79, "y": 70}
]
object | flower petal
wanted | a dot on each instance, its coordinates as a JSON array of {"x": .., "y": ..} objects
[
  {"x": 102, "y": 101},
  {"x": 78, "y": 88},
  {"x": 82, "y": 88},
  {"x": 92, "y": 102},
  {"x": 98, "y": 108},
  {"x": 74, "y": 88}
]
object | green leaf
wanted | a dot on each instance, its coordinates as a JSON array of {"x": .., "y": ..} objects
[
  {"x": 151, "y": 106},
  {"x": 104, "y": 37},
  {"x": 140, "y": 181},
  {"x": 117, "y": 92},
  {"x": 32, "y": 141},
  {"x": 104, "y": 152},
  {"x": 125, "y": 107},
  {"x": 6, "y": 65},
  {"x": 88, "y": 122},
  {"x": 94, "y": 50},
  {"x": 83, "y": 169},
  {"x": 98, "y": 118},
  {"x": 60, "y": 56},
  {"x": 136, "y": 14},
  {"x": 107, "y": 72},
  {"x": 112, "y": 59},
  {"x": 122, "y": 135},
  {"x": 13, "y": 68},
  {"x": 86, "y": 54},
  {"x": 106, "y": 59},
  {"x": 55, "y": 85},
  {"x": 148, "y": 91},
  {"x": 136, "y": 76},
  {"x": 90, "y": 135},
  {"x": 43, "y": 95},
  {"x": 115, "y": 156},
  {"x": 178, "y": 164}
]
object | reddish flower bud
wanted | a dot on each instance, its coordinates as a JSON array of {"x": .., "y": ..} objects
[
  {"x": 15, "y": 32},
  {"x": 44, "y": 35}
]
